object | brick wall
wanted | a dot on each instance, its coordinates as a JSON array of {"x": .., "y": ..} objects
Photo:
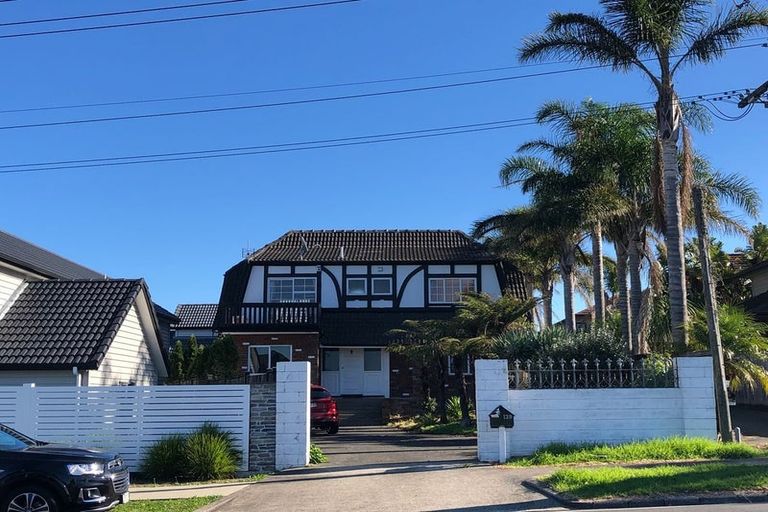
[
  {"x": 261, "y": 447},
  {"x": 306, "y": 347}
]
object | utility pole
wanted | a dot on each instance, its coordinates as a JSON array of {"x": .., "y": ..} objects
[
  {"x": 713, "y": 325},
  {"x": 755, "y": 97}
]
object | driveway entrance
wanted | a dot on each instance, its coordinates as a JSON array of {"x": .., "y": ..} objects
[{"x": 375, "y": 468}]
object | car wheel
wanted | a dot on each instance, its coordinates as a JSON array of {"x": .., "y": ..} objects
[
  {"x": 29, "y": 498},
  {"x": 333, "y": 429}
]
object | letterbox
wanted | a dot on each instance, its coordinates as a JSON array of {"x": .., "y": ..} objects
[{"x": 500, "y": 417}]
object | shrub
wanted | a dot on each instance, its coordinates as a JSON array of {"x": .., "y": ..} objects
[
  {"x": 209, "y": 456},
  {"x": 316, "y": 455},
  {"x": 206, "y": 454},
  {"x": 453, "y": 408},
  {"x": 162, "y": 462},
  {"x": 556, "y": 343}
]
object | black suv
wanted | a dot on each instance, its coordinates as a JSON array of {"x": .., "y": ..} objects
[{"x": 40, "y": 477}]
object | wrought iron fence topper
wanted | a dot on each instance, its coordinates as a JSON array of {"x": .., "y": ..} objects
[{"x": 501, "y": 417}]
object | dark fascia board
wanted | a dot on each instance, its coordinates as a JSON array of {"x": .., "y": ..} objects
[
  {"x": 90, "y": 365},
  {"x": 754, "y": 268}
]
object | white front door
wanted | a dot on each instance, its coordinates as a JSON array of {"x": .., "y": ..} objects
[{"x": 351, "y": 369}]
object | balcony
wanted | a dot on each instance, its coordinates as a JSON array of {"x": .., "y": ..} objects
[{"x": 270, "y": 317}]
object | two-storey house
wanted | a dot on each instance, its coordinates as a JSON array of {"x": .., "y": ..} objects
[{"x": 332, "y": 298}]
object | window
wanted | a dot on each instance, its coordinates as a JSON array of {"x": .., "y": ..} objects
[
  {"x": 317, "y": 394},
  {"x": 265, "y": 357},
  {"x": 292, "y": 289},
  {"x": 381, "y": 286},
  {"x": 453, "y": 368},
  {"x": 448, "y": 290},
  {"x": 9, "y": 442},
  {"x": 372, "y": 360},
  {"x": 356, "y": 286},
  {"x": 330, "y": 359}
]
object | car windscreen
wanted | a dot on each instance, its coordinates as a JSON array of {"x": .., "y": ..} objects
[
  {"x": 317, "y": 394},
  {"x": 10, "y": 440}
]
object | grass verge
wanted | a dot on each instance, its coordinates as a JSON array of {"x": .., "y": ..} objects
[
  {"x": 609, "y": 482},
  {"x": 417, "y": 424},
  {"x": 180, "y": 505},
  {"x": 674, "y": 448}
]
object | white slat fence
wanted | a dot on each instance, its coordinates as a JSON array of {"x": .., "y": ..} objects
[{"x": 125, "y": 419}]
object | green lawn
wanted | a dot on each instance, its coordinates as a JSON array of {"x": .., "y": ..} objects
[
  {"x": 622, "y": 482},
  {"x": 180, "y": 505},
  {"x": 675, "y": 448}
]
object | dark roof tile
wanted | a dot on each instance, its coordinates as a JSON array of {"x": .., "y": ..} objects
[
  {"x": 61, "y": 324},
  {"x": 195, "y": 316},
  {"x": 26, "y": 255}
]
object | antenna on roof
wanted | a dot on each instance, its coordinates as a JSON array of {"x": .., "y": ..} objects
[
  {"x": 304, "y": 249},
  {"x": 247, "y": 250}
]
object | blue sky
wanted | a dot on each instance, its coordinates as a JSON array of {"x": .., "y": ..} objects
[{"x": 180, "y": 225}]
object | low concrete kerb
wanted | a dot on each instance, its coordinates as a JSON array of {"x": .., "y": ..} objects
[{"x": 638, "y": 502}]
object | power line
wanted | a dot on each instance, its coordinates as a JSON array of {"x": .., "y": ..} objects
[
  {"x": 302, "y": 101},
  {"x": 175, "y": 20},
  {"x": 286, "y": 147},
  {"x": 322, "y": 86},
  {"x": 119, "y": 13}
]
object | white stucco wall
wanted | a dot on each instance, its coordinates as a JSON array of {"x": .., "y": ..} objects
[
  {"x": 413, "y": 294},
  {"x": 254, "y": 292},
  {"x": 490, "y": 281},
  {"x": 292, "y": 415},
  {"x": 544, "y": 416},
  {"x": 128, "y": 359}
]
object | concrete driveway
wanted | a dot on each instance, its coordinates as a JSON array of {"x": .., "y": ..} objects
[{"x": 379, "y": 468}]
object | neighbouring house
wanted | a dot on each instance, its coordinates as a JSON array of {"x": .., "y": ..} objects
[
  {"x": 165, "y": 322},
  {"x": 332, "y": 297},
  {"x": 195, "y": 320},
  {"x": 64, "y": 324},
  {"x": 757, "y": 277}
]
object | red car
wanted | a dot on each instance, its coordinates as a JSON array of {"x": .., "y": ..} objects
[{"x": 322, "y": 410}]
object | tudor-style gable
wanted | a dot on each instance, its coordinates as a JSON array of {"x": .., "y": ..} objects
[{"x": 286, "y": 284}]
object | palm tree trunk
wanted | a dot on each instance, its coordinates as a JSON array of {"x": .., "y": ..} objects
[
  {"x": 567, "y": 260},
  {"x": 669, "y": 131},
  {"x": 597, "y": 273},
  {"x": 636, "y": 292},
  {"x": 623, "y": 298},
  {"x": 442, "y": 385},
  {"x": 546, "y": 294},
  {"x": 715, "y": 344}
]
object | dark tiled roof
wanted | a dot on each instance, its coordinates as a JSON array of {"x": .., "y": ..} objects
[
  {"x": 374, "y": 246},
  {"x": 61, "y": 324},
  {"x": 161, "y": 312},
  {"x": 366, "y": 327},
  {"x": 23, "y": 254},
  {"x": 195, "y": 316}
]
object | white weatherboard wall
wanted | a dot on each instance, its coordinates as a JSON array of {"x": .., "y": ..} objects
[
  {"x": 125, "y": 419},
  {"x": 292, "y": 417},
  {"x": 612, "y": 415}
]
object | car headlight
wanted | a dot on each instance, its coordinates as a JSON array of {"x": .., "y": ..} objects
[{"x": 95, "y": 468}]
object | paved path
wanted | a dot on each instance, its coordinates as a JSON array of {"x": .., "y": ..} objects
[{"x": 378, "y": 468}]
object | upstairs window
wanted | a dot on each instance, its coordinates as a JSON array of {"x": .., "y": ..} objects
[
  {"x": 457, "y": 363},
  {"x": 357, "y": 286},
  {"x": 448, "y": 290},
  {"x": 292, "y": 289},
  {"x": 381, "y": 286}
]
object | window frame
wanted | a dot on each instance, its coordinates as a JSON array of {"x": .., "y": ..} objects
[
  {"x": 365, "y": 286},
  {"x": 450, "y": 366},
  {"x": 380, "y": 294},
  {"x": 447, "y": 278},
  {"x": 270, "y": 365},
  {"x": 293, "y": 280}
]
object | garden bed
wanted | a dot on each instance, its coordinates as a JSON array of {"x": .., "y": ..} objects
[
  {"x": 421, "y": 425},
  {"x": 659, "y": 485},
  {"x": 670, "y": 449}
]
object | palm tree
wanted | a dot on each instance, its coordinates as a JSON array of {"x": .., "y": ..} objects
[{"x": 673, "y": 33}]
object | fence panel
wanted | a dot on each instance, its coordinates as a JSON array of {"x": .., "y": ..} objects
[{"x": 126, "y": 420}]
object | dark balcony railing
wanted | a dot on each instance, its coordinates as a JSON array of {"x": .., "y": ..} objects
[{"x": 282, "y": 316}]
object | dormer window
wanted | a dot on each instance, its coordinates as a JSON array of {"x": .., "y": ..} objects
[
  {"x": 357, "y": 286},
  {"x": 292, "y": 289}
]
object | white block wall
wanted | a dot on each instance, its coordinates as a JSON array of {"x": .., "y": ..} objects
[
  {"x": 543, "y": 416},
  {"x": 292, "y": 418}
]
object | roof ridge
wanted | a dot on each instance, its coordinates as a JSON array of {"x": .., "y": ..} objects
[{"x": 41, "y": 248}]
